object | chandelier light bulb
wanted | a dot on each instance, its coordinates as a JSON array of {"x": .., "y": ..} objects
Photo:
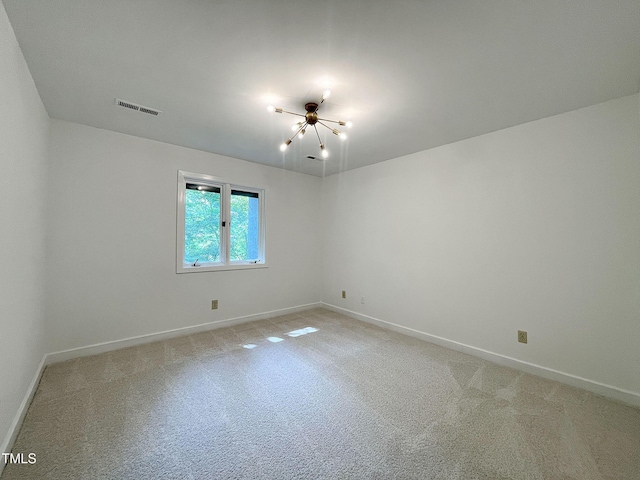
[
  {"x": 343, "y": 136},
  {"x": 325, "y": 152},
  {"x": 349, "y": 124},
  {"x": 284, "y": 146},
  {"x": 271, "y": 108},
  {"x": 326, "y": 94},
  {"x": 302, "y": 132}
]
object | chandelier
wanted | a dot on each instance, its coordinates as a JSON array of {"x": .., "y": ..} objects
[{"x": 312, "y": 119}]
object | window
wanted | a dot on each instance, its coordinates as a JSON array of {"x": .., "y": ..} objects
[{"x": 220, "y": 224}]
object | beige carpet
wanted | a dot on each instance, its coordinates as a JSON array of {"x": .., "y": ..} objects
[{"x": 349, "y": 400}]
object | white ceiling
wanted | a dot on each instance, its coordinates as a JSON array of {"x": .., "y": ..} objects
[{"x": 410, "y": 74}]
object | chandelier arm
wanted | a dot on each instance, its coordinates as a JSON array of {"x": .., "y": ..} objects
[
  {"x": 339, "y": 122},
  {"x": 316, "y": 129},
  {"x": 299, "y": 130},
  {"x": 293, "y": 113},
  {"x": 325, "y": 126}
]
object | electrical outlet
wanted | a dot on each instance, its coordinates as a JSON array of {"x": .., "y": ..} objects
[
  {"x": 522, "y": 336},
  {"x": 344, "y": 294},
  {"x": 214, "y": 304}
]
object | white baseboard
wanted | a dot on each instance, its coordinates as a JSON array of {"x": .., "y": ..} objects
[
  {"x": 626, "y": 396},
  {"x": 14, "y": 429},
  {"x": 97, "y": 348}
]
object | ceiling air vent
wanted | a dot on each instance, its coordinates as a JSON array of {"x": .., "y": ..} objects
[
  {"x": 136, "y": 107},
  {"x": 311, "y": 157}
]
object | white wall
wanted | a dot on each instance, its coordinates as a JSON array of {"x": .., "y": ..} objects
[
  {"x": 23, "y": 153},
  {"x": 535, "y": 228},
  {"x": 112, "y": 239}
]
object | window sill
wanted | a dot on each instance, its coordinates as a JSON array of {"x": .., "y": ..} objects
[{"x": 217, "y": 268}]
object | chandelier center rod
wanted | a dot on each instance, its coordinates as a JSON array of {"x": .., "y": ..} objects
[{"x": 312, "y": 115}]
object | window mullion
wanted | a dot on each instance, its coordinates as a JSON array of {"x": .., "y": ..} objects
[{"x": 226, "y": 218}]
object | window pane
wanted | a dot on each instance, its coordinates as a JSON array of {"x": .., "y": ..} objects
[
  {"x": 202, "y": 224},
  {"x": 244, "y": 226}
]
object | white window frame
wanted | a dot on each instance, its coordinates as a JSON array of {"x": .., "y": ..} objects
[{"x": 225, "y": 234}]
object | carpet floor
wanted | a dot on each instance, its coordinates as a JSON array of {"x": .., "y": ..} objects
[{"x": 316, "y": 395}]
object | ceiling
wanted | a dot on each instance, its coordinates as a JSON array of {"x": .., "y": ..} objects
[{"x": 410, "y": 74}]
